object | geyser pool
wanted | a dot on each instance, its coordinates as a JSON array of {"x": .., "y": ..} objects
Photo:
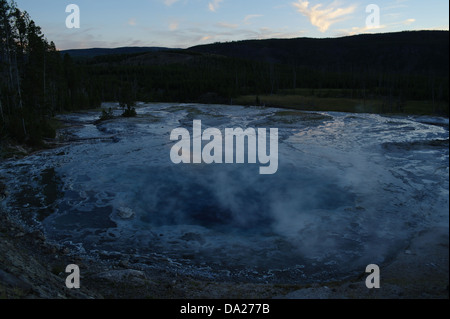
[{"x": 350, "y": 190}]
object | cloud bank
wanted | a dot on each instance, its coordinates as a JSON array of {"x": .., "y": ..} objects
[{"x": 323, "y": 17}]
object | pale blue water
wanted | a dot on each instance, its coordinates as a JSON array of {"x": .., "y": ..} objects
[{"x": 351, "y": 190}]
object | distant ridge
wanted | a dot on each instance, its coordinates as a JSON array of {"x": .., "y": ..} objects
[
  {"x": 407, "y": 51},
  {"x": 401, "y": 72},
  {"x": 91, "y": 53}
]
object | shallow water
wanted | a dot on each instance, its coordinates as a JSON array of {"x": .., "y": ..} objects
[{"x": 351, "y": 190}]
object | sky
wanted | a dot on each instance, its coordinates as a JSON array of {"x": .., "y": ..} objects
[{"x": 186, "y": 23}]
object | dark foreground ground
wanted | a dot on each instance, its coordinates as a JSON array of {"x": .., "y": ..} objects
[{"x": 30, "y": 267}]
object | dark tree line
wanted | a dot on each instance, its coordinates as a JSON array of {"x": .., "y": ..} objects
[
  {"x": 35, "y": 80},
  {"x": 217, "y": 79}
]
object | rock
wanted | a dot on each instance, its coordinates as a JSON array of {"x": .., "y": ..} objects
[
  {"x": 125, "y": 213},
  {"x": 127, "y": 276},
  {"x": 309, "y": 293},
  {"x": 38, "y": 235},
  {"x": 14, "y": 282}
]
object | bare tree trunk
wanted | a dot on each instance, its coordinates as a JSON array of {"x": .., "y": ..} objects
[
  {"x": 272, "y": 78},
  {"x": 433, "y": 95},
  {"x": 11, "y": 80},
  {"x": 8, "y": 57},
  {"x": 19, "y": 92},
  {"x": 1, "y": 111},
  {"x": 295, "y": 79},
  {"x": 45, "y": 86}
]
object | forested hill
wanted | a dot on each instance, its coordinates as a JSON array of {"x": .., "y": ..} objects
[
  {"x": 406, "y": 52},
  {"x": 410, "y": 52},
  {"x": 403, "y": 72},
  {"x": 394, "y": 70},
  {"x": 91, "y": 53},
  {"x": 36, "y": 81}
]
